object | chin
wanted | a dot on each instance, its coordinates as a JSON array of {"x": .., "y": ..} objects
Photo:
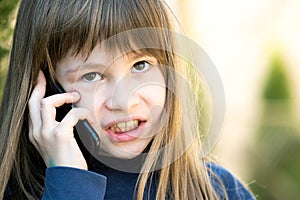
[
  {"x": 120, "y": 153},
  {"x": 127, "y": 154}
]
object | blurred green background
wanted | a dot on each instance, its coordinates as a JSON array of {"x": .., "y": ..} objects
[
  {"x": 255, "y": 46},
  {"x": 7, "y": 10},
  {"x": 275, "y": 155}
]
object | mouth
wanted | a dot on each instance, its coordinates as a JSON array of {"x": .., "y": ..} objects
[
  {"x": 125, "y": 126},
  {"x": 126, "y": 130}
]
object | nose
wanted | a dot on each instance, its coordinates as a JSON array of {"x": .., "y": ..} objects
[{"x": 123, "y": 97}]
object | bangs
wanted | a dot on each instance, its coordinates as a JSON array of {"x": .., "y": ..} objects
[{"x": 78, "y": 26}]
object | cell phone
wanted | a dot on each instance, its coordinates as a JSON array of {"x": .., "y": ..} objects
[{"x": 85, "y": 135}]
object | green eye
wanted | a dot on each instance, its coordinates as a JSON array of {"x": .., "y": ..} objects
[
  {"x": 141, "y": 66},
  {"x": 92, "y": 77}
]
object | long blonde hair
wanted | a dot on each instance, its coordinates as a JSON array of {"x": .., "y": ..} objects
[{"x": 45, "y": 31}]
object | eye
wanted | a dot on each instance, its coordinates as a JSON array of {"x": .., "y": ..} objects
[
  {"x": 141, "y": 66},
  {"x": 92, "y": 77}
]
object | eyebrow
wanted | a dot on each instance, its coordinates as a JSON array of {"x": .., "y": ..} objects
[
  {"x": 85, "y": 66},
  {"x": 134, "y": 55},
  {"x": 139, "y": 55}
]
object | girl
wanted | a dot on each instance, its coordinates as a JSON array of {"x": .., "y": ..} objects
[{"x": 130, "y": 87}]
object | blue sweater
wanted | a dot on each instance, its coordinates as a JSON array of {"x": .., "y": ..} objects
[{"x": 106, "y": 183}]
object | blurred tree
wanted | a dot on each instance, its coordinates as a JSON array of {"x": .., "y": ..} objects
[
  {"x": 276, "y": 165},
  {"x": 277, "y": 86},
  {"x": 7, "y": 8}
]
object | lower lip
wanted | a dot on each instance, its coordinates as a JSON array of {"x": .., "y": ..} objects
[{"x": 126, "y": 136}]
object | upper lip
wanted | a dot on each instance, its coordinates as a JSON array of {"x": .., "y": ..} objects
[{"x": 123, "y": 119}]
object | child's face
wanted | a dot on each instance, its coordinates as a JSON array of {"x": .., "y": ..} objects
[{"x": 125, "y": 95}]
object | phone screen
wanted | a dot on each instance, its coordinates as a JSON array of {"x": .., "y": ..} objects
[{"x": 86, "y": 137}]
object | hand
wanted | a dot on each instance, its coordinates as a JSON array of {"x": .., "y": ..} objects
[{"x": 55, "y": 140}]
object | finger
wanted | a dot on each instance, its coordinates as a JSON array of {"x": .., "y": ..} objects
[
  {"x": 34, "y": 107},
  {"x": 75, "y": 115},
  {"x": 36, "y": 97},
  {"x": 48, "y": 105},
  {"x": 32, "y": 139},
  {"x": 57, "y": 100},
  {"x": 72, "y": 118}
]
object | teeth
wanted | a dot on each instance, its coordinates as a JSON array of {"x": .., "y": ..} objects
[
  {"x": 121, "y": 125},
  {"x": 124, "y": 126}
]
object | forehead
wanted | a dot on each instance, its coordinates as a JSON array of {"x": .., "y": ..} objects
[
  {"x": 103, "y": 52},
  {"x": 82, "y": 27}
]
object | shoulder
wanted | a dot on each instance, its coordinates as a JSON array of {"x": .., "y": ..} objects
[
  {"x": 67, "y": 183},
  {"x": 76, "y": 184},
  {"x": 224, "y": 181}
]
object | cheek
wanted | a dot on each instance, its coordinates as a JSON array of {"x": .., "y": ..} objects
[
  {"x": 157, "y": 94},
  {"x": 154, "y": 96},
  {"x": 91, "y": 99}
]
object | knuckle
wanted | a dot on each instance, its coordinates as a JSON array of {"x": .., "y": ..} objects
[
  {"x": 57, "y": 130},
  {"x": 74, "y": 114},
  {"x": 31, "y": 102},
  {"x": 42, "y": 132},
  {"x": 73, "y": 117},
  {"x": 43, "y": 137},
  {"x": 44, "y": 103},
  {"x": 59, "y": 133}
]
